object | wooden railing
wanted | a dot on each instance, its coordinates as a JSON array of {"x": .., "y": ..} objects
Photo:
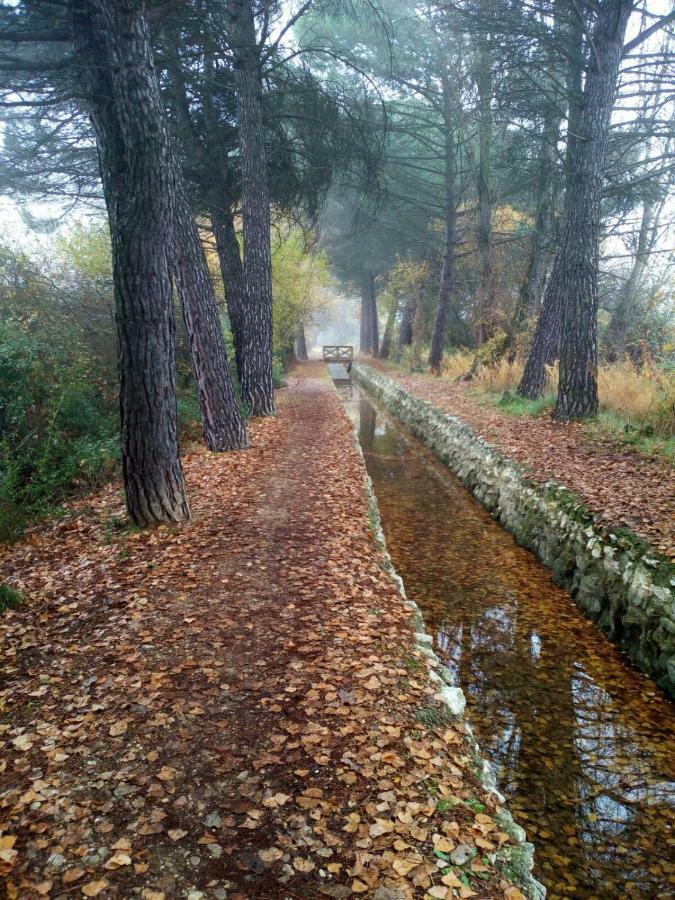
[{"x": 337, "y": 354}]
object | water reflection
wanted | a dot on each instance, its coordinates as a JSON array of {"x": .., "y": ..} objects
[{"x": 583, "y": 744}]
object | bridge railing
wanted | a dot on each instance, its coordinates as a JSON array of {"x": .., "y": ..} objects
[{"x": 335, "y": 353}]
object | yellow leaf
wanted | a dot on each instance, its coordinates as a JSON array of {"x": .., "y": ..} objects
[{"x": 118, "y": 860}]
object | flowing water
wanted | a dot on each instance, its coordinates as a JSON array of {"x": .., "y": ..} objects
[{"x": 583, "y": 745}]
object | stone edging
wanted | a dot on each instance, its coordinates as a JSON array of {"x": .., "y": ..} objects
[
  {"x": 621, "y": 583},
  {"x": 516, "y": 861}
]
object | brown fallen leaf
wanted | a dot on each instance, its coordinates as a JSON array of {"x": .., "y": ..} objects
[
  {"x": 94, "y": 888},
  {"x": 115, "y": 730}
]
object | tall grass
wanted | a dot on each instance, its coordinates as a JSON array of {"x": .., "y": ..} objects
[
  {"x": 458, "y": 364},
  {"x": 643, "y": 397}
]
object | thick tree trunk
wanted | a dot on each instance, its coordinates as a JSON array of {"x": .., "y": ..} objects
[
  {"x": 448, "y": 271},
  {"x": 117, "y": 77},
  {"x": 545, "y": 348},
  {"x": 223, "y": 424},
  {"x": 577, "y": 261},
  {"x": 257, "y": 388},
  {"x": 301, "y": 343}
]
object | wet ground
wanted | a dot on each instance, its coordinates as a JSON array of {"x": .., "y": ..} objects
[{"x": 583, "y": 744}]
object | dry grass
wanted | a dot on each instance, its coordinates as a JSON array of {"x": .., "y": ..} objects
[
  {"x": 458, "y": 364},
  {"x": 643, "y": 397}
]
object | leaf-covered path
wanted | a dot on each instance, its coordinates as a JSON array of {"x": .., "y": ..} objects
[
  {"x": 623, "y": 488},
  {"x": 232, "y": 708}
]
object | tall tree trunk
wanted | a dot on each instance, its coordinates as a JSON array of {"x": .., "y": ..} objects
[
  {"x": 572, "y": 35},
  {"x": 385, "y": 347},
  {"x": 231, "y": 271},
  {"x": 577, "y": 261},
  {"x": 366, "y": 326},
  {"x": 223, "y": 424},
  {"x": 369, "y": 337},
  {"x": 117, "y": 77},
  {"x": 405, "y": 334},
  {"x": 485, "y": 278},
  {"x": 375, "y": 327},
  {"x": 619, "y": 323},
  {"x": 257, "y": 388},
  {"x": 545, "y": 347},
  {"x": 448, "y": 271},
  {"x": 532, "y": 287},
  {"x": 301, "y": 343}
]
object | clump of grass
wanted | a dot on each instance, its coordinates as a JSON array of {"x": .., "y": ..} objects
[
  {"x": 9, "y": 597},
  {"x": 516, "y": 405},
  {"x": 641, "y": 396},
  {"x": 432, "y": 716},
  {"x": 457, "y": 364}
]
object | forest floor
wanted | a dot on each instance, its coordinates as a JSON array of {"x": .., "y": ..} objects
[
  {"x": 624, "y": 488},
  {"x": 232, "y": 707}
]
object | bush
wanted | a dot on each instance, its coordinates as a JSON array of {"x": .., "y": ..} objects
[{"x": 58, "y": 432}]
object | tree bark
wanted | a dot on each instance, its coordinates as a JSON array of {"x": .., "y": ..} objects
[
  {"x": 257, "y": 388},
  {"x": 619, "y": 323},
  {"x": 223, "y": 424},
  {"x": 117, "y": 76},
  {"x": 369, "y": 338},
  {"x": 231, "y": 271},
  {"x": 448, "y": 271},
  {"x": 405, "y": 335},
  {"x": 544, "y": 349},
  {"x": 375, "y": 327},
  {"x": 385, "y": 347},
  {"x": 577, "y": 260},
  {"x": 485, "y": 278}
]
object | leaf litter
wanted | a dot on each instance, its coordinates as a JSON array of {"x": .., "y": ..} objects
[{"x": 228, "y": 708}]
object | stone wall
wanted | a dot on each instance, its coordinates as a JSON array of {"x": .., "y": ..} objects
[{"x": 616, "y": 578}]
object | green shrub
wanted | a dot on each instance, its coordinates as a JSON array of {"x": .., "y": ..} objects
[
  {"x": 58, "y": 431},
  {"x": 9, "y": 597}
]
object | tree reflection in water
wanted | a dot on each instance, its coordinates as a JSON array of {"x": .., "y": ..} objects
[{"x": 582, "y": 743}]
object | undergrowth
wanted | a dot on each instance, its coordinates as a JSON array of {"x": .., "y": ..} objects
[
  {"x": 637, "y": 404},
  {"x": 9, "y": 597}
]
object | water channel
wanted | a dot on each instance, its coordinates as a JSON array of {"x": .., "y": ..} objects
[{"x": 583, "y": 745}]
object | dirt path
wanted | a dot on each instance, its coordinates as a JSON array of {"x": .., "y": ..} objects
[
  {"x": 623, "y": 488},
  {"x": 231, "y": 708}
]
